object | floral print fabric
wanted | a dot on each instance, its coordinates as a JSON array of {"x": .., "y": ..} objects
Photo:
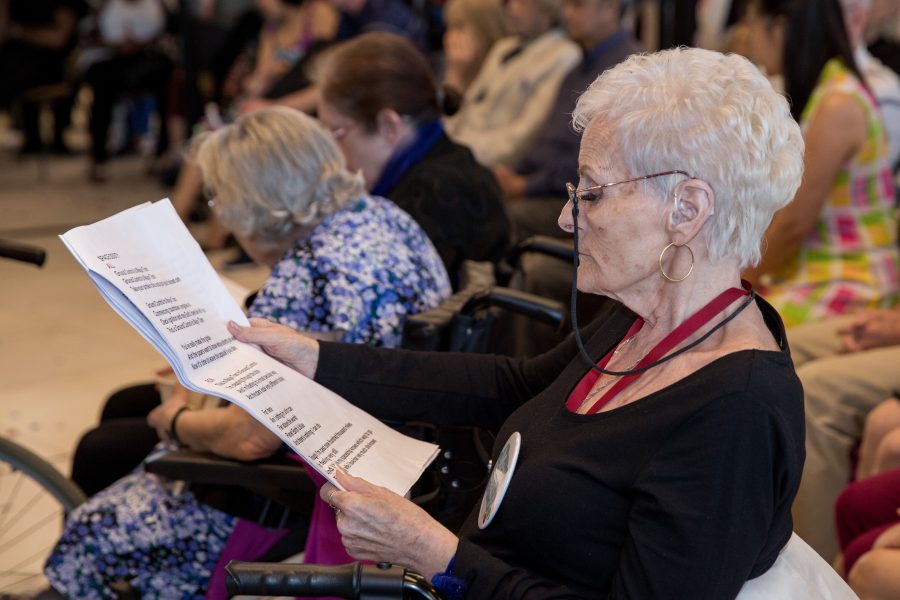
[
  {"x": 359, "y": 272},
  {"x": 139, "y": 530}
]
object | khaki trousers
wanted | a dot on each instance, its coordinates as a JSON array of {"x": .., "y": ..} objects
[{"x": 839, "y": 390}]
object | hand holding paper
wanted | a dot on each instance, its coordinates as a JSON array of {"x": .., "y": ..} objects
[{"x": 150, "y": 270}]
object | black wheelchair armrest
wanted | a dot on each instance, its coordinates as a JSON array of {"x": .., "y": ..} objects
[
  {"x": 534, "y": 307},
  {"x": 351, "y": 581},
  {"x": 561, "y": 248},
  {"x": 273, "y": 473}
]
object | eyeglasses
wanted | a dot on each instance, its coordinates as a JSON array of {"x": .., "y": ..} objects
[{"x": 590, "y": 194}]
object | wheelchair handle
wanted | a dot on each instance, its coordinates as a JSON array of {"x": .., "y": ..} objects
[
  {"x": 561, "y": 248},
  {"x": 352, "y": 581},
  {"x": 22, "y": 252},
  {"x": 534, "y": 307}
]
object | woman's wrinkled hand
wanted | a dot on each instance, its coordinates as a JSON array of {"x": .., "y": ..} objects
[
  {"x": 294, "y": 349},
  {"x": 161, "y": 416},
  {"x": 378, "y": 525},
  {"x": 871, "y": 329}
]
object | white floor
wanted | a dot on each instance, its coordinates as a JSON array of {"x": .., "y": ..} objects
[{"x": 62, "y": 350}]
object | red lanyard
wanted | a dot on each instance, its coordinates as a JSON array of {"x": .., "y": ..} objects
[{"x": 690, "y": 326}]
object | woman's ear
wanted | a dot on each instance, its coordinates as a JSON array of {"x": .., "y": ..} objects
[
  {"x": 391, "y": 125},
  {"x": 693, "y": 203}
]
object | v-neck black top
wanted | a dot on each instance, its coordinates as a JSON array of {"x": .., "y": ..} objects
[{"x": 685, "y": 493}]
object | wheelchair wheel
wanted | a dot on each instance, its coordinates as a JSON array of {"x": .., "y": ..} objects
[{"x": 34, "y": 498}]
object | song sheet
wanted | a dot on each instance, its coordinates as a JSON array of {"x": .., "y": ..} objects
[{"x": 148, "y": 267}]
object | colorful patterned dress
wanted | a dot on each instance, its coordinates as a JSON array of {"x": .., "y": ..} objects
[
  {"x": 360, "y": 272},
  {"x": 850, "y": 259}
]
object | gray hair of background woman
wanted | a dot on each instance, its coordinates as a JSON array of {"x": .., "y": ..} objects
[
  {"x": 274, "y": 171},
  {"x": 716, "y": 117}
]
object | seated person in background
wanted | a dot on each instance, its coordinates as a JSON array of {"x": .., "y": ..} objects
[
  {"x": 672, "y": 483},
  {"x": 36, "y": 38},
  {"x": 847, "y": 365},
  {"x": 869, "y": 527},
  {"x": 884, "y": 83},
  {"x": 868, "y": 510},
  {"x": 292, "y": 33},
  {"x": 503, "y": 109},
  {"x": 879, "y": 449},
  {"x": 356, "y": 18},
  {"x": 391, "y": 16},
  {"x": 345, "y": 266},
  {"x": 472, "y": 28},
  {"x": 883, "y": 35},
  {"x": 380, "y": 100},
  {"x": 833, "y": 250},
  {"x": 129, "y": 30},
  {"x": 534, "y": 185}
]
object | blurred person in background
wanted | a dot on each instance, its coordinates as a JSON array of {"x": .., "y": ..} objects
[
  {"x": 382, "y": 104},
  {"x": 882, "y": 81},
  {"x": 472, "y": 28},
  {"x": 390, "y": 16},
  {"x": 534, "y": 186},
  {"x": 833, "y": 250},
  {"x": 130, "y": 60},
  {"x": 36, "y": 40},
  {"x": 512, "y": 95}
]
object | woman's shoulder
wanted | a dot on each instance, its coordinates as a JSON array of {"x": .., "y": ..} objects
[
  {"x": 839, "y": 91},
  {"x": 371, "y": 223},
  {"x": 449, "y": 172},
  {"x": 455, "y": 164},
  {"x": 360, "y": 219}
]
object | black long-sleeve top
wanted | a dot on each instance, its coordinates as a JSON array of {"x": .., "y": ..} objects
[
  {"x": 685, "y": 493},
  {"x": 458, "y": 203}
]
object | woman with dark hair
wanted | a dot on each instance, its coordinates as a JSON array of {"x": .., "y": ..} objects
[
  {"x": 381, "y": 102},
  {"x": 833, "y": 250}
]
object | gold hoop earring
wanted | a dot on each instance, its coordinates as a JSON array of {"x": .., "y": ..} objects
[{"x": 662, "y": 270}]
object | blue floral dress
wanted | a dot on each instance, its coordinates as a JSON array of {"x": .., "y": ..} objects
[{"x": 358, "y": 272}]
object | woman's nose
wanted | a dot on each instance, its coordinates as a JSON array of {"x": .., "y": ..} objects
[{"x": 565, "y": 221}]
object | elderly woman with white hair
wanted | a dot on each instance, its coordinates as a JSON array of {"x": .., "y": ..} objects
[
  {"x": 345, "y": 266},
  {"x": 659, "y": 458}
]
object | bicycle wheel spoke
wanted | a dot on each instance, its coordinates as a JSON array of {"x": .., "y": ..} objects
[
  {"x": 31, "y": 529},
  {"x": 13, "y": 585},
  {"x": 24, "y": 509},
  {"x": 8, "y": 505},
  {"x": 42, "y": 552}
]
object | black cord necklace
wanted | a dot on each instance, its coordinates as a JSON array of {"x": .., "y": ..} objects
[{"x": 583, "y": 353}]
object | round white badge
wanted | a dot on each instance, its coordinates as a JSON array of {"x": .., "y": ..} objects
[{"x": 501, "y": 474}]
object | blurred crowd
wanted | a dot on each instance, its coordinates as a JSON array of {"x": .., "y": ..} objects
[{"x": 459, "y": 113}]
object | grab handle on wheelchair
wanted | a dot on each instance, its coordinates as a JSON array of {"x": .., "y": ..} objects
[
  {"x": 352, "y": 581},
  {"x": 22, "y": 252}
]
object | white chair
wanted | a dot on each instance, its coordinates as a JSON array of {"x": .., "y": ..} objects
[{"x": 799, "y": 573}]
